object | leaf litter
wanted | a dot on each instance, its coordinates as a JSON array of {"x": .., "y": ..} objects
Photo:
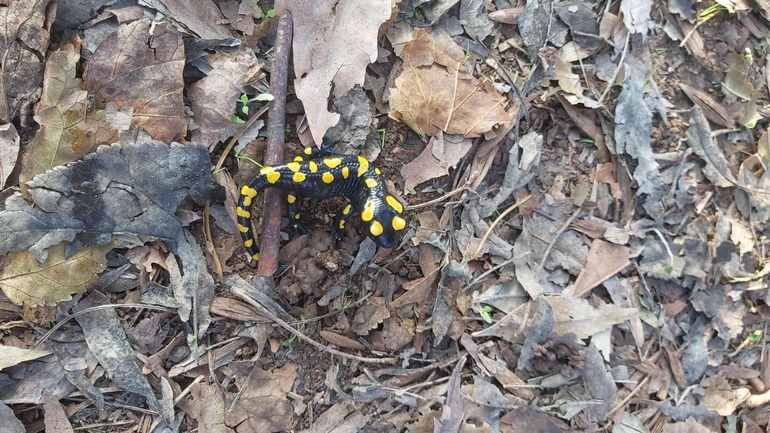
[{"x": 593, "y": 259}]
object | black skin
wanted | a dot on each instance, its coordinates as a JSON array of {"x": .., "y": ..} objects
[{"x": 320, "y": 174}]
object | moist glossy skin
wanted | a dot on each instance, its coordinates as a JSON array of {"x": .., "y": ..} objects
[{"x": 326, "y": 176}]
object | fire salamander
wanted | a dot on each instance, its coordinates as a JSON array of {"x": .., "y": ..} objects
[{"x": 320, "y": 174}]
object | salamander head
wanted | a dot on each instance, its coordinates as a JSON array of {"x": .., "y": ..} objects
[{"x": 388, "y": 223}]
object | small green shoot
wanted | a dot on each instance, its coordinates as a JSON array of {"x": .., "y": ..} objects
[
  {"x": 237, "y": 119},
  {"x": 587, "y": 141},
  {"x": 710, "y": 12},
  {"x": 382, "y": 138},
  {"x": 440, "y": 191},
  {"x": 268, "y": 14},
  {"x": 412, "y": 191},
  {"x": 484, "y": 312},
  {"x": 247, "y": 158},
  {"x": 300, "y": 327}
]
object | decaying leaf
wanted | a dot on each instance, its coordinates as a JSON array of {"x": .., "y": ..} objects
[
  {"x": 713, "y": 109},
  {"x": 264, "y": 405},
  {"x": 334, "y": 41},
  {"x": 24, "y": 37},
  {"x": 9, "y": 151},
  {"x": 475, "y": 19},
  {"x": 633, "y": 129},
  {"x": 439, "y": 156},
  {"x": 636, "y": 15},
  {"x": 605, "y": 259},
  {"x": 202, "y": 17},
  {"x": 579, "y": 317},
  {"x": 69, "y": 128},
  {"x": 10, "y": 423},
  {"x": 699, "y": 138},
  {"x": 722, "y": 398},
  {"x": 435, "y": 92},
  {"x": 140, "y": 67},
  {"x": 213, "y": 98},
  {"x": 10, "y": 355},
  {"x": 26, "y": 281},
  {"x": 132, "y": 189}
]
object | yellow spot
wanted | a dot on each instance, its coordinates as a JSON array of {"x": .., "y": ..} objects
[
  {"x": 377, "y": 170},
  {"x": 308, "y": 151},
  {"x": 368, "y": 213},
  {"x": 398, "y": 223},
  {"x": 395, "y": 204},
  {"x": 242, "y": 213},
  {"x": 293, "y": 166},
  {"x": 327, "y": 177},
  {"x": 247, "y": 201},
  {"x": 370, "y": 183},
  {"x": 266, "y": 170},
  {"x": 255, "y": 257},
  {"x": 298, "y": 158},
  {"x": 363, "y": 165},
  {"x": 313, "y": 166},
  {"x": 345, "y": 172},
  {"x": 342, "y": 224},
  {"x": 376, "y": 228},
  {"x": 273, "y": 177},
  {"x": 248, "y": 191},
  {"x": 346, "y": 210},
  {"x": 291, "y": 199},
  {"x": 248, "y": 243},
  {"x": 332, "y": 162},
  {"x": 242, "y": 228},
  {"x": 296, "y": 216},
  {"x": 298, "y": 177}
]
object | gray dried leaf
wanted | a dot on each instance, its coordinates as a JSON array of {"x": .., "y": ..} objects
[
  {"x": 633, "y": 129},
  {"x": 475, "y": 19},
  {"x": 636, "y": 15},
  {"x": 108, "y": 342},
  {"x": 523, "y": 158},
  {"x": 580, "y": 17},
  {"x": 704, "y": 145},
  {"x": 598, "y": 380},
  {"x": 8, "y": 420},
  {"x": 9, "y": 151}
]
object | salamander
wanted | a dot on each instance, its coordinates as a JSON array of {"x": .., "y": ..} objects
[{"x": 321, "y": 174}]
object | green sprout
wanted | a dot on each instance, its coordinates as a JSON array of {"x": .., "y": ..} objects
[
  {"x": 484, "y": 312},
  {"x": 382, "y": 137}
]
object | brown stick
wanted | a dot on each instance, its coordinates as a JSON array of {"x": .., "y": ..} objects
[{"x": 276, "y": 118}]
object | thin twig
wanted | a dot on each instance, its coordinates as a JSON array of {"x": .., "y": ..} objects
[
  {"x": 496, "y": 222},
  {"x": 617, "y": 71},
  {"x": 269, "y": 314},
  {"x": 436, "y": 200}
]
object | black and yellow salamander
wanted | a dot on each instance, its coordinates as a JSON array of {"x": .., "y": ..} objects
[{"x": 320, "y": 174}]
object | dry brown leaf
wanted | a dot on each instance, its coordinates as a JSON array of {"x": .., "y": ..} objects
[
  {"x": 604, "y": 260},
  {"x": 334, "y": 41},
  {"x": 369, "y": 315},
  {"x": 434, "y": 91},
  {"x": 435, "y": 160},
  {"x": 55, "y": 417},
  {"x": 69, "y": 128},
  {"x": 340, "y": 340},
  {"x": 140, "y": 67},
  {"x": 27, "y": 281},
  {"x": 578, "y": 317},
  {"x": 264, "y": 405},
  {"x": 213, "y": 98},
  {"x": 721, "y": 397},
  {"x": 713, "y": 110},
  {"x": 208, "y": 408},
  {"x": 9, "y": 151},
  {"x": 419, "y": 289}
]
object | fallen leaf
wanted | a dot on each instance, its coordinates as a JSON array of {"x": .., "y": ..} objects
[
  {"x": 26, "y": 281},
  {"x": 713, "y": 109},
  {"x": 55, "y": 417},
  {"x": 24, "y": 43},
  {"x": 208, "y": 408},
  {"x": 263, "y": 405},
  {"x": 140, "y": 67},
  {"x": 435, "y": 160},
  {"x": 11, "y": 355},
  {"x": 8, "y": 420},
  {"x": 202, "y": 17},
  {"x": 9, "y": 151},
  {"x": 578, "y": 317},
  {"x": 475, "y": 19},
  {"x": 107, "y": 341},
  {"x": 452, "y": 412},
  {"x": 213, "y": 97},
  {"x": 340, "y": 340},
  {"x": 689, "y": 426},
  {"x": 636, "y": 15},
  {"x": 69, "y": 128},
  {"x": 434, "y": 91},
  {"x": 605, "y": 259},
  {"x": 369, "y": 315},
  {"x": 720, "y": 397},
  {"x": 700, "y": 140},
  {"x": 334, "y": 41}
]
